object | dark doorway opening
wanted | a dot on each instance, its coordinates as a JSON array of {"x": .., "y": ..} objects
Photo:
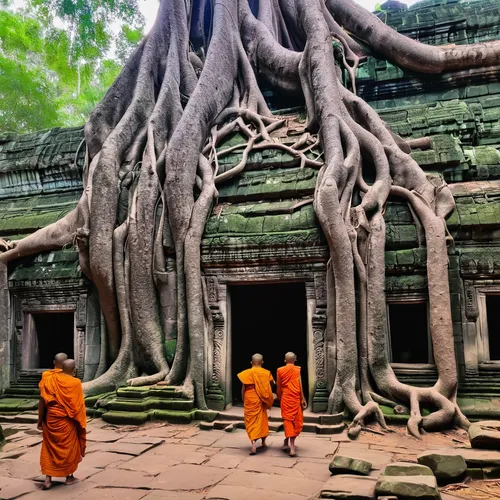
[
  {"x": 55, "y": 333},
  {"x": 409, "y": 332},
  {"x": 493, "y": 318},
  {"x": 270, "y": 319}
]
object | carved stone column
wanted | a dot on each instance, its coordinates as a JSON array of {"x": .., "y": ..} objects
[
  {"x": 471, "y": 330},
  {"x": 320, "y": 398},
  {"x": 79, "y": 344},
  {"x": 215, "y": 394}
]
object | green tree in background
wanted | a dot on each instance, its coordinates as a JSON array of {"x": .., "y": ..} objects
[{"x": 55, "y": 62}]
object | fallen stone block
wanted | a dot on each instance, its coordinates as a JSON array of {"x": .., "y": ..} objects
[
  {"x": 475, "y": 473},
  {"x": 444, "y": 466},
  {"x": 473, "y": 458},
  {"x": 348, "y": 465},
  {"x": 406, "y": 469},
  {"x": 408, "y": 487},
  {"x": 491, "y": 472},
  {"x": 347, "y": 487},
  {"x": 485, "y": 435}
]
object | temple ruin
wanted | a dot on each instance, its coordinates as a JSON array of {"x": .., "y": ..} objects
[{"x": 264, "y": 255}]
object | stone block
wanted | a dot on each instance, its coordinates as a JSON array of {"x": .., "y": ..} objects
[
  {"x": 444, "y": 466},
  {"x": 349, "y": 488},
  {"x": 348, "y": 465},
  {"x": 475, "y": 473},
  {"x": 407, "y": 469},
  {"x": 485, "y": 435},
  {"x": 491, "y": 472},
  {"x": 408, "y": 487}
]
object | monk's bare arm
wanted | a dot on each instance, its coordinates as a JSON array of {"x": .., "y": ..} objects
[
  {"x": 243, "y": 392},
  {"x": 278, "y": 387},
  {"x": 41, "y": 413}
]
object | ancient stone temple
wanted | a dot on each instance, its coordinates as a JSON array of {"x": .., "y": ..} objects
[{"x": 264, "y": 256}]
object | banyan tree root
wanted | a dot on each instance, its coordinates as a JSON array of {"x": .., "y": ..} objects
[{"x": 153, "y": 147}]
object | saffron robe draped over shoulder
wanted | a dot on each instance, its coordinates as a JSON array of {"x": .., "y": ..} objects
[
  {"x": 290, "y": 396},
  {"x": 64, "y": 434},
  {"x": 48, "y": 373},
  {"x": 258, "y": 399}
]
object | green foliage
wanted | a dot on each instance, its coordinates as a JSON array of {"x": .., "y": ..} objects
[
  {"x": 52, "y": 76},
  {"x": 89, "y": 22}
]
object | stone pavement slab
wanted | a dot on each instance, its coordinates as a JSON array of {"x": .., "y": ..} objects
[
  {"x": 148, "y": 463},
  {"x": 188, "y": 477},
  {"x": 134, "y": 449},
  {"x": 349, "y": 487},
  {"x": 306, "y": 447},
  {"x": 313, "y": 470},
  {"x": 18, "y": 469},
  {"x": 131, "y": 439},
  {"x": 273, "y": 482},
  {"x": 113, "y": 494},
  {"x": 103, "y": 436},
  {"x": 12, "y": 488},
  {"x": 101, "y": 459},
  {"x": 177, "y": 495},
  {"x": 226, "y": 459},
  {"x": 224, "y": 492},
  {"x": 188, "y": 454},
  {"x": 270, "y": 465},
  {"x": 119, "y": 478},
  {"x": 62, "y": 492}
]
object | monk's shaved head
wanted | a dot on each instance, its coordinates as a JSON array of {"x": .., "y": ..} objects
[
  {"x": 257, "y": 359},
  {"x": 290, "y": 357},
  {"x": 69, "y": 366},
  {"x": 59, "y": 359}
]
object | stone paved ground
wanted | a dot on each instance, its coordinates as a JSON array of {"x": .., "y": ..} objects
[{"x": 182, "y": 462}]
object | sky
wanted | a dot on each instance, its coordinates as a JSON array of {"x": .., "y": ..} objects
[{"x": 150, "y": 7}]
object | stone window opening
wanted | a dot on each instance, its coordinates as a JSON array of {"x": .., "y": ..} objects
[{"x": 409, "y": 341}]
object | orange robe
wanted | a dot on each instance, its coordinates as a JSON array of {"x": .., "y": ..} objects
[
  {"x": 290, "y": 399},
  {"x": 258, "y": 399},
  {"x": 47, "y": 373},
  {"x": 64, "y": 435}
]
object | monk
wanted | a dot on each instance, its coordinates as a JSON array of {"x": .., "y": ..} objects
[
  {"x": 292, "y": 401},
  {"x": 58, "y": 362},
  {"x": 64, "y": 424},
  {"x": 257, "y": 399}
]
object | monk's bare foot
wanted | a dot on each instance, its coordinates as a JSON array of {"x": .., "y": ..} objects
[
  {"x": 47, "y": 484},
  {"x": 264, "y": 444},
  {"x": 286, "y": 446},
  {"x": 71, "y": 479},
  {"x": 254, "y": 448}
]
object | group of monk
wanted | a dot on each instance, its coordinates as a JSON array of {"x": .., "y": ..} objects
[
  {"x": 258, "y": 398},
  {"x": 62, "y": 415},
  {"x": 62, "y": 420}
]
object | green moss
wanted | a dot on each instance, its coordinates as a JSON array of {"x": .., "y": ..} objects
[
  {"x": 125, "y": 418},
  {"x": 170, "y": 347}
]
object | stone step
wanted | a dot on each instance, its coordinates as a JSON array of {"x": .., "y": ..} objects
[
  {"x": 150, "y": 391},
  {"x": 318, "y": 419},
  {"x": 22, "y": 390},
  {"x": 149, "y": 403},
  {"x": 171, "y": 416},
  {"x": 19, "y": 418},
  {"x": 275, "y": 426}
]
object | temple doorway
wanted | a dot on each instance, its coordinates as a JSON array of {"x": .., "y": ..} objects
[
  {"x": 45, "y": 334},
  {"x": 270, "y": 319}
]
